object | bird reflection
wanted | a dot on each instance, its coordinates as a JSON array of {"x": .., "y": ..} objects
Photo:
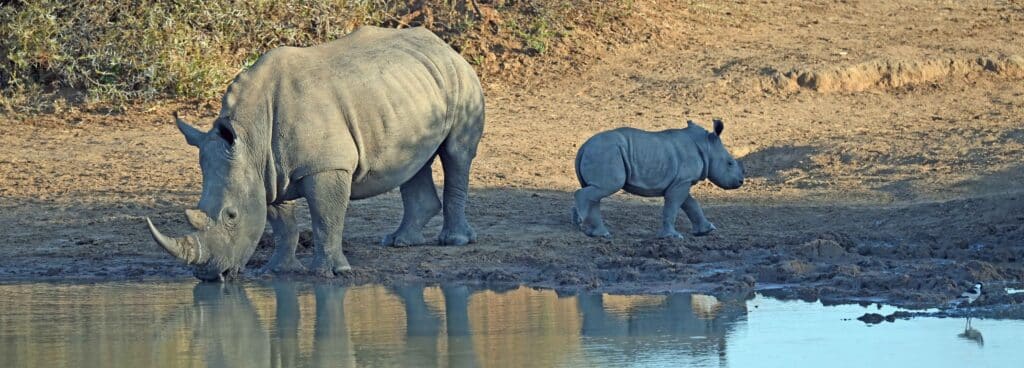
[{"x": 972, "y": 334}]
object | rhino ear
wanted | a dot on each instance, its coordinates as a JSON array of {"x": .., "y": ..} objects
[
  {"x": 192, "y": 135},
  {"x": 718, "y": 127},
  {"x": 713, "y": 138}
]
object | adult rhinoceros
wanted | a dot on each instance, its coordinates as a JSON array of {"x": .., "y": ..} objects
[{"x": 348, "y": 119}]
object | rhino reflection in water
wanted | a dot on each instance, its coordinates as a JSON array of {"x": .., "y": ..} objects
[
  {"x": 224, "y": 328},
  {"x": 679, "y": 315},
  {"x": 423, "y": 327}
]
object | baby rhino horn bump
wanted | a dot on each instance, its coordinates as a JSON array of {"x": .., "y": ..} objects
[{"x": 198, "y": 219}]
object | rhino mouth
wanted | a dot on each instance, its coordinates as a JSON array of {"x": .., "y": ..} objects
[
  {"x": 213, "y": 275},
  {"x": 193, "y": 249},
  {"x": 734, "y": 185}
]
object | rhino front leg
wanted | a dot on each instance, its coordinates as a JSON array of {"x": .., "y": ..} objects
[
  {"x": 675, "y": 196},
  {"x": 420, "y": 204},
  {"x": 286, "y": 239},
  {"x": 701, "y": 225},
  {"x": 328, "y": 195}
]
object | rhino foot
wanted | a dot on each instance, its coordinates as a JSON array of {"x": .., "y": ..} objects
[
  {"x": 289, "y": 265},
  {"x": 704, "y": 230},
  {"x": 598, "y": 233},
  {"x": 325, "y": 267},
  {"x": 576, "y": 219},
  {"x": 457, "y": 237},
  {"x": 402, "y": 240},
  {"x": 670, "y": 234}
]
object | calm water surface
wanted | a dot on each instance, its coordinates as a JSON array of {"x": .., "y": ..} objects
[{"x": 289, "y": 324}]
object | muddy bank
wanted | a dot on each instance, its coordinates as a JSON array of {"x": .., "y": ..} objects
[{"x": 919, "y": 255}]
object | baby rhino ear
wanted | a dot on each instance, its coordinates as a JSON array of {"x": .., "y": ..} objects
[{"x": 718, "y": 127}]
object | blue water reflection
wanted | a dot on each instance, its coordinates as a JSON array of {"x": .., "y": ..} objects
[{"x": 283, "y": 324}]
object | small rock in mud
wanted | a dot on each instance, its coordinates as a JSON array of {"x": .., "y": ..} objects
[
  {"x": 736, "y": 285},
  {"x": 791, "y": 269},
  {"x": 489, "y": 275},
  {"x": 875, "y": 318},
  {"x": 568, "y": 278},
  {"x": 871, "y": 318},
  {"x": 822, "y": 249}
]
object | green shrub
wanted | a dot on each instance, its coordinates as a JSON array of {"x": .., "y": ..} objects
[{"x": 119, "y": 51}]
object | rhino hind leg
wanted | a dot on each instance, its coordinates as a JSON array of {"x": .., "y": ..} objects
[
  {"x": 328, "y": 195},
  {"x": 456, "y": 229},
  {"x": 602, "y": 172},
  {"x": 286, "y": 239},
  {"x": 420, "y": 204},
  {"x": 588, "y": 207},
  {"x": 457, "y": 153}
]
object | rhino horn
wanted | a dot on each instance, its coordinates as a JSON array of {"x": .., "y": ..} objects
[{"x": 188, "y": 248}]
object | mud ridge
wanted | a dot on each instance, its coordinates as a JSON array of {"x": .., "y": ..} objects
[{"x": 891, "y": 74}]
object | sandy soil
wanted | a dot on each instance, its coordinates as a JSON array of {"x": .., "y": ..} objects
[{"x": 883, "y": 144}]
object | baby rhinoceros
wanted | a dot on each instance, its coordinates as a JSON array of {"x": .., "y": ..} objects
[{"x": 652, "y": 164}]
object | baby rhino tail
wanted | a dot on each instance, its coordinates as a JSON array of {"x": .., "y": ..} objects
[{"x": 579, "y": 177}]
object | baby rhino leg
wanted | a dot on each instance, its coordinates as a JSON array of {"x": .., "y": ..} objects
[
  {"x": 603, "y": 177},
  {"x": 675, "y": 196},
  {"x": 701, "y": 225}
]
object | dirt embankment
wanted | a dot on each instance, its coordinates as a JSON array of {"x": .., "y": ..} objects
[{"x": 895, "y": 181}]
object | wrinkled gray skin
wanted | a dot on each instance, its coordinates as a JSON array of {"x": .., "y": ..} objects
[
  {"x": 652, "y": 164},
  {"x": 348, "y": 119}
]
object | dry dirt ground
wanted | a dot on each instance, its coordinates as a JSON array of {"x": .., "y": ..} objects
[{"x": 884, "y": 145}]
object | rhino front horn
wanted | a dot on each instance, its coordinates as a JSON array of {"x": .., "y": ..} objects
[{"x": 187, "y": 248}]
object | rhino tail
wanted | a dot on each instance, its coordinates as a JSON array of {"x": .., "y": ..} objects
[{"x": 579, "y": 177}]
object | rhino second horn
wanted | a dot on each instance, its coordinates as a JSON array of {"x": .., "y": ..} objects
[
  {"x": 198, "y": 219},
  {"x": 187, "y": 248}
]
